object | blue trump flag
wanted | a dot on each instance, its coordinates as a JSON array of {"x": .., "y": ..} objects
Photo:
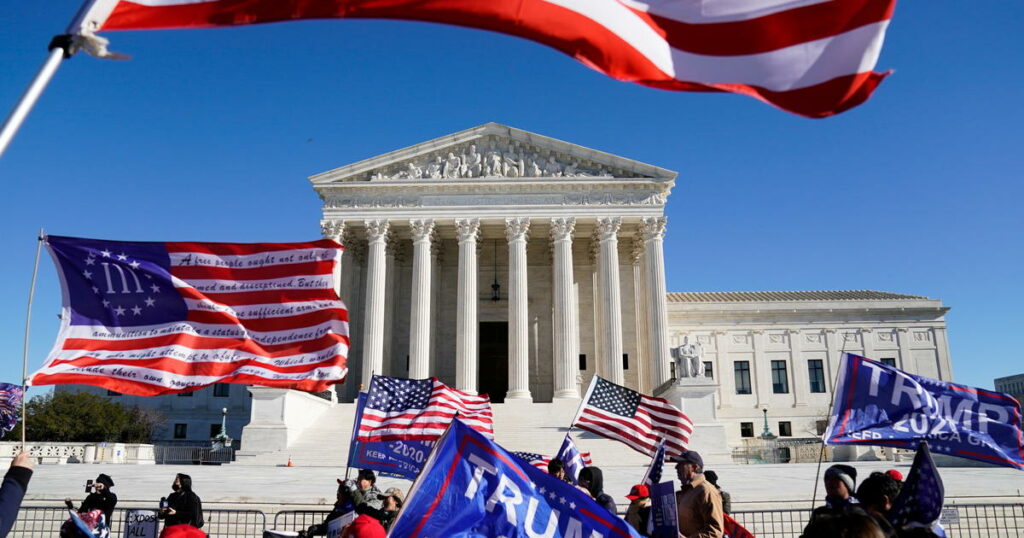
[
  {"x": 400, "y": 459},
  {"x": 877, "y": 404},
  {"x": 470, "y": 486},
  {"x": 919, "y": 503}
]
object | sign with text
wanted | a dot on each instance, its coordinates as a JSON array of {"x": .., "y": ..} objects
[
  {"x": 664, "y": 516},
  {"x": 400, "y": 459},
  {"x": 881, "y": 405},
  {"x": 141, "y": 524}
]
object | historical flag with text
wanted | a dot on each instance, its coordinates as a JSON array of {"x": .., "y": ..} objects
[{"x": 156, "y": 318}]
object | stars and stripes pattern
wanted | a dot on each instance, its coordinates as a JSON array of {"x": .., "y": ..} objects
[
  {"x": 419, "y": 410},
  {"x": 653, "y": 474},
  {"x": 10, "y": 406},
  {"x": 808, "y": 57},
  {"x": 640, "y": 421},
  {"x": 150, "y": 318},
  {"x": 541, "y": 462},
  {"x": 919, "y": 503}
]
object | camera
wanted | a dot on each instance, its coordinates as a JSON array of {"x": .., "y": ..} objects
[
  {"x": 89, "y": 486},
  {"x": 164, "y": 503}
]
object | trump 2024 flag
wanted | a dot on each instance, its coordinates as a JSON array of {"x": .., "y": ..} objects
[
  {"x": 158, "y": 318},
  {"x": 809, "y": 57}
]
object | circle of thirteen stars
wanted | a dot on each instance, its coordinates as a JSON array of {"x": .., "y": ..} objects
[{"x": 119, "y": 310}]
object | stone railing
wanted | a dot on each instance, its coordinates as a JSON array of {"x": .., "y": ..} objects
[{"x": 61, "y": 453}]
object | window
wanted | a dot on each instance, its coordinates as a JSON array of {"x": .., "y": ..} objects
[
  {"x": 820, "y": 426},
  {"x": 709, "y": 370},
  {"x": 180, "y": 431},
  {"x": 816, "y": 372},
  {"x": 221, "y": 390},
  {"x": 742, "y": 371},
  {"x": 780, "y": 380},
  {"x": 889, "y": 362},
  {"x": 625, "y": 361},
  {"x": 746, "y": 429},
  {"x": 583, "y": 361},
  {"x": 185, "y": 394},
  {"x": 214, "y": 430},
  {"x": 113, "y": 393},
  {"x": 785, "y": 429}
]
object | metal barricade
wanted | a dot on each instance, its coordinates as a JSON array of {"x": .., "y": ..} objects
[
  {"x": 196, "y": 455},
  {"x": 45, "y": 522},
  {"x": 298, "y": 520},
  {"x": 773, "y": 523}
]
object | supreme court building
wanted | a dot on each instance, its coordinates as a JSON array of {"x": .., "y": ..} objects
[{"x": 509, "y": 263}]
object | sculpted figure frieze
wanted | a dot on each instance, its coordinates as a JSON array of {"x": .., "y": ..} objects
[{"x": 498, "y": 158}]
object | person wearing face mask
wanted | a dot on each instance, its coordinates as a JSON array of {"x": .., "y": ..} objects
[
  {"x": 183, "y": 506},
  {"x": 101, "y": 498}
]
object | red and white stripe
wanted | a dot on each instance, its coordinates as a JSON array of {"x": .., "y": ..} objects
[
  {"x": 542, "y": 462},
  {"x": 810, "y": 57},
  {"x": 655, "y": 420},
  {"x": 428, "y": 424},
  {"x": 284, "y": 327}
]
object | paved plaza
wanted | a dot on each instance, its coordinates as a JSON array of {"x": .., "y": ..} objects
[{"x": 282, "y": 488}]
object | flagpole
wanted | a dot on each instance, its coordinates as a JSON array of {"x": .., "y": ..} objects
[
  {"x": 831, "y": 404},
  {"x": 90, "y": 17},
  {"x": 28, "y": 331},
  {"x": 583, "y": 402}
]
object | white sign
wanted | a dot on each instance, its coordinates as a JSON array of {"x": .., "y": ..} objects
[
  {"x": 141, "y": 524},
  {"x": 336, "y": 525}
]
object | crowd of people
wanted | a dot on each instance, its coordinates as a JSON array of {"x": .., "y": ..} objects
[{"x": 850, "y": 511}]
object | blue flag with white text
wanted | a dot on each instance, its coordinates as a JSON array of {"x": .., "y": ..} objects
[
  {"x": 571, "y": 459},
  {"x": 919, "y": 503},
  {"x": 471, "y": 486},
  {"x": 876, "y": 404}
]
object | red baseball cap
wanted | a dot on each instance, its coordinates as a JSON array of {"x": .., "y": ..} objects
[
  {"x": 896, "y": 475},
  {"x": 638, "y": 491}
]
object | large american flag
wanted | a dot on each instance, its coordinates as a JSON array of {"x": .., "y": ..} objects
[
  {"x": 640, "y": 421},
  {"x": 419, "y": 410},
  {"x": 810, "y": 57},
  {"x": 157, "y": 318},
  {"x": 541, "y": 462}
]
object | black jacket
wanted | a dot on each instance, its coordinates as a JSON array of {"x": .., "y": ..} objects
[
  {"x": 596, "y": 488},
  {"x": 11, "y": 493},
  {"x": 188, "y": 509},
  {"x": 105, "y": 501}
]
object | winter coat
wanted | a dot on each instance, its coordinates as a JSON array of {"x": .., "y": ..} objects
[
  {"x": 188, "y": 509},
  {"x": 699, "y": 506},
  {"x": 12, "y": 491},
  {"x": 105, "y": 502},
  {"x": 336, "y": 512},
  {"x": 595, "y": 487},
  {"x": 366, "y": 499}
]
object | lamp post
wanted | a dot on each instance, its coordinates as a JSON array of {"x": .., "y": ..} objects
[
  {"x": 222, "y": 438},
  {"x": 766, "y": 433}
]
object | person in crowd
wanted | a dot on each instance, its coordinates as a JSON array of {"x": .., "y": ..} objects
[
  {"x": 698, "y": 503},
  {"x": 712, "y": 477},
  {"x": 896, "y": 475},
  {"x": 393, "y": 499},
  {"x": 557, "y": 469},
  {"x": 876, "y": 494},
  {"x": 13, "y": 490},
  {"x": 592, "y": 480},
  {"x": 364, "y": 492},
  {"x": 364, "y": 526},
  {"x": 343, "y": 504},
  {"x": 184, "y": 507},
  {"x": 182, "y": 531},
  {"x": 101, "y": 498},
  {"x": 849, "y": 521},
  {"x": 839, "y": 486},
  {"x": 639, "y": 510}
]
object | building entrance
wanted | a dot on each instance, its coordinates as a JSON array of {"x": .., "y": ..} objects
[{"x": 493, "y": 360}]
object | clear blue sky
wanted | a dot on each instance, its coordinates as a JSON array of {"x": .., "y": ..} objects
[{"x": 210, "y": 135}]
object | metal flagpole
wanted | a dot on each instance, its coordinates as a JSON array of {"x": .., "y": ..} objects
[
  {"x": 89, "y": 18},
  {"x": 831, "y": 403},
  {"x": 28, "y": 326}
]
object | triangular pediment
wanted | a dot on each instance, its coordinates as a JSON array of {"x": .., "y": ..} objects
[{"x": 491, "y": 152}]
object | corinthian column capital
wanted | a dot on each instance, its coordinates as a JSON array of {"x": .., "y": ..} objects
[
  {"x": 608, "y": 228},
  {"x": 422, "y": 229},
  {"x": 467, "y": 229},
  {"x": 562, "y": 228},
  {"x": 517, "y": 228},
  {"x": 332, "y": 229},
  {"x": 653, "y": 227},
  {"x": 377, "y": 229}
]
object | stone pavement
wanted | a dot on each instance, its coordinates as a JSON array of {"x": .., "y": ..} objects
[{"x": 283, "y": 488}]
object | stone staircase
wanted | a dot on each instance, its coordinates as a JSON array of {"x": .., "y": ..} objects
[{"x": 519, "y": 426}]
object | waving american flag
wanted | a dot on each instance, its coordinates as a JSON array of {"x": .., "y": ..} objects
[
  {"x": 158, "y": 318},
  {"x": 419, "y": 410},
  {"x": 541, "y": 462}
]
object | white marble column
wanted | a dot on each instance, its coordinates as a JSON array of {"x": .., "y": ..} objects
[
  {"x": 335, "y": 231},
  {"x": 566, "y": 330},
  {"x": 608, "y": 267},
  {"x": 419, "y": 318},
  {"x": 468, "y": 232},
  {"x": 903, "y": 340},
  {"x": 761, "y": 370},
  {"x": 801, "y": 378},
  {"x": 643, "y": 333},
  {"x": 376, "y": 276},
  {"x": 653, "y": 229},
  {"x": 834, "y": 354},
  {"x": 516, "y": 230}
]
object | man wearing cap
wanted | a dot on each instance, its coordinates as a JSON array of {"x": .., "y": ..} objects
[
  {"x": 393, "y": 499},
  {"x": 698, "y": 503},
  {"x": 839, "y": 486},
  {"x": 639, "y": 510}
]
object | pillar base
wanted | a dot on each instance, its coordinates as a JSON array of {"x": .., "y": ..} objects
[
  {"x": 695, "y": 397},
  {"x": 521, "y": 396}
]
